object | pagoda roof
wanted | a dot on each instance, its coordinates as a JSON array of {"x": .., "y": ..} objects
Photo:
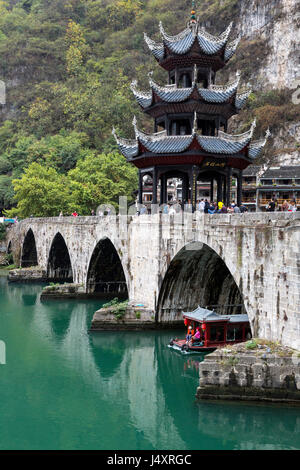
[
  {"x": 216, "y": 94},
  {"x": 204, "y": 315},
  {"x": 194, "y": 34},
  {"x": 161, "y": 143}
]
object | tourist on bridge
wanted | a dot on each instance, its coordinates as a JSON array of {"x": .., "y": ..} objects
[
  {"x": 201, "y": 205},
  {"x": 272, "y": 205},
  {"x": 172, "y": 210},
  {"x": 285, "y": 206},
  {"x": 293, "y": 207},
  {"x": 166, "y": 209},
  {"x": 220, "y": 205},
  {"x": 206, "y": 206},
  {"x": 213, "y": 208},
  {"x": 243, "y": 209}
]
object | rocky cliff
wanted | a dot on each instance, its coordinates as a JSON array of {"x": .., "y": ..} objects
[{"x": 269, "y": 59}]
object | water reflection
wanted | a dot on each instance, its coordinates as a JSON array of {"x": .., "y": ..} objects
[
  {"x": 108, "y": 352},
  {"x": 67, "y": 388},
  {"x": 249, "y": 426},
  {"x": 29, "y": 299}
]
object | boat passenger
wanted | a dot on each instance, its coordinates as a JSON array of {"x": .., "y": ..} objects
[
  {"x": 197, "y": 335},
  {"x": 189, "y": 335}
]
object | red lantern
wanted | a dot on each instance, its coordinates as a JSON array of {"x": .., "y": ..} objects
[
  {"x": 186, "y": 322},
  {"x": 203, "y": 326}
]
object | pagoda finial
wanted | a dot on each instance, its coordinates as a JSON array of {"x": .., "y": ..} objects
[{"x": 193, "y": 13}]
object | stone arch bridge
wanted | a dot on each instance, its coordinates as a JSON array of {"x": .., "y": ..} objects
[{"x": 239, "y": 262}]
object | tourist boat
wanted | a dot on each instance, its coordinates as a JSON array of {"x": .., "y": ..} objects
[{"x": 215, "y": 330}]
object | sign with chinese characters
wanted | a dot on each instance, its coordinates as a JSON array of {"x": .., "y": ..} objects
[{"x": 214, "y": 164}]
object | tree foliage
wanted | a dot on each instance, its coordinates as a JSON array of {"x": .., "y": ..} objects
[
  {"x": 96, "y": 179},
  {"x": 68, "y": 66}
]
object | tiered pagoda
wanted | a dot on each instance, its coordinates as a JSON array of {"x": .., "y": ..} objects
[{"x": 191, "y": 113}]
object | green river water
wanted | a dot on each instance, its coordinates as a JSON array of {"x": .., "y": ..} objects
[{"x": 65, "y": 388}]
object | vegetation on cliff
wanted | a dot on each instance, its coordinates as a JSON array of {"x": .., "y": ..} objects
[{"x": 67, "y": 66}]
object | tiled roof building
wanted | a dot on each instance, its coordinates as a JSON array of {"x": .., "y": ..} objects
[{"x": 191, "y": 113}]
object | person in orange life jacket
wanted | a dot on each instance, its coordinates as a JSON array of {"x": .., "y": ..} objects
[{"x": 189, "y": 335}]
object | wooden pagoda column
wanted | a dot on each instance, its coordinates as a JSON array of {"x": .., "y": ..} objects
[
  {"x": 228, "y": 186},
  {"x": 239, "y": 188},
  {"x": 212, "y": 189},
  {"x": 140, "y": 197},
  {"x": 193, "y": 186},
  {"x": 154, "y": 186},
  {"x": 219, "y": 189},
  {"x": 184, "y": 190},
  {"x": 224, "y": 189},
  {"x": 161, "y": 197},
  {"x": 176, "y": 76},
  {"x": 163, "y": 189}
]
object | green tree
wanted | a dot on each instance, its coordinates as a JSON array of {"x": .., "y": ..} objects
[
  {"x": 101, "y": 179},
  {"x": 59, "y": 151},
  {"x": 40, "y": 192},
  {"x": 6, "y": 192}
]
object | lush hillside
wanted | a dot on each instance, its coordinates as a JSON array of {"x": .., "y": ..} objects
[{"x": 67, "y": 66}]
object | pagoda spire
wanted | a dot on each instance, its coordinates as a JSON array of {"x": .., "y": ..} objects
[{"x": 193, "y": 13}]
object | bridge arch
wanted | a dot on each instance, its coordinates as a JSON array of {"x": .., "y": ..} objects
[
  {"x": 105, "y": 274},
  {"x": 29, "y": 251},
  {"x": 59, "y": 267},
  {"x": 198, "y": 275}
]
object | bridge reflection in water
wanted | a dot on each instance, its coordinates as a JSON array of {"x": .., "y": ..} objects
[{"x": 71, "y": 389}]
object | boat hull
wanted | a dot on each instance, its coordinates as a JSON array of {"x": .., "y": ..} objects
[{"x": 181, "y": 346}]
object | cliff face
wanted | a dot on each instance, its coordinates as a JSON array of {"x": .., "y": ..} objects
[
  {"x": 269, "y": 59},
  {"x": 277, "y": 23}
]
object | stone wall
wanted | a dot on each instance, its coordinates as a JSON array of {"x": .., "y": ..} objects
[{"x": 261, "y": 375}]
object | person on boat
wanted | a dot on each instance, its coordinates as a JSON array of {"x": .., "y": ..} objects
[
  {"x": 197, "y": 335},
  {"x": 189, "y": 335}
]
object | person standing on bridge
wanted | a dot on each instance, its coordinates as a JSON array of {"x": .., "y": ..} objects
[{"x": 271, "y": 206}]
